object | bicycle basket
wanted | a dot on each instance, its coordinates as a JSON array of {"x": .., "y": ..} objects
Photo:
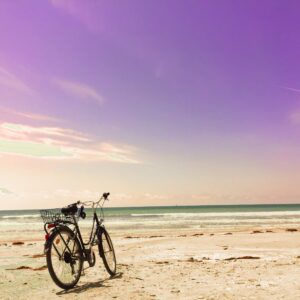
[{"x": 55, "y": 216}]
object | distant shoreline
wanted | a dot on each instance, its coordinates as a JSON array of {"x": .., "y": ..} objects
[{"x": 179, "y": 206}]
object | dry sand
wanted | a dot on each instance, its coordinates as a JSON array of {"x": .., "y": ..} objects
[{"x": 245, "y": 264}]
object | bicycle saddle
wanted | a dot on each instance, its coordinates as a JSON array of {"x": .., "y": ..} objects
[{"x": 70, "y": 209}]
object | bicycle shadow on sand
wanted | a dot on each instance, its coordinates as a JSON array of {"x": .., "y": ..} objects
[{"x": 91, "y": 285}]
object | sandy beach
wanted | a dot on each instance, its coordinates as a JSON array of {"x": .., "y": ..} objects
[
  {"x": 174, "y": 125},
  {"x": 250, "y": 263}
]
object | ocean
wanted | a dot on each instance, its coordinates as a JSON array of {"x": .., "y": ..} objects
[{"x": 166, "y": 217}]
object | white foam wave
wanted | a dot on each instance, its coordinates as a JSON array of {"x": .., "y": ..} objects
[
  {"x": 21, "y": 216},
  {"x": 222, "y": 214}
]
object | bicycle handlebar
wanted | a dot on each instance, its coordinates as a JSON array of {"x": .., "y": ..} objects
[{"x": 93, "y": 203}]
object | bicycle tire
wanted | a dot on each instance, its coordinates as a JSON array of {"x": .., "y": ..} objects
[
  {"x": 104, "y": 241},
  {"x": 50, "y": 256}
]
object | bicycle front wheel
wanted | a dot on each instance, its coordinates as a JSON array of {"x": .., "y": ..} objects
[
  {"x": 107, "y": 252},
  {"x": 64, "y": 258}
]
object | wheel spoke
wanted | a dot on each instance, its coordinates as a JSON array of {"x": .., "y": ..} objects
[
  {"x": 66, "y": 266},
  {"x": 108, "y": 257}
]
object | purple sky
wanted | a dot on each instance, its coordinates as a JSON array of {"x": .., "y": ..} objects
[{"x": 180, "y": 102}]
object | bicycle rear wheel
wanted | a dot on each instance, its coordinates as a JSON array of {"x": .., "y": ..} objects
[
  {"x": 64, "y": 258},
  {"x": 107, "y": 252}
]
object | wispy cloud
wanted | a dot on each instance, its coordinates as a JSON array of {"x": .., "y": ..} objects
[
  {"x": 11, "y": 81},
  {"x": 32, "y": 149},
  {"x": 36, "y": 134},
  {"x": 79, "y": 90},
  {"x": 28, "y": 115},
  {"x": 291, "y": 89},
  {"x": 115, "y": 153},
  {"x": 36, "y": 117},
  {"x": 60, "y": 143}
]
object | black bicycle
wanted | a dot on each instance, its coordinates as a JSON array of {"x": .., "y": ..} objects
[{"x": 64, "y": 247}]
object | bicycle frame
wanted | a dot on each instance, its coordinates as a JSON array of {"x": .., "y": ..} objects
[{"x": 85, "y": 247}]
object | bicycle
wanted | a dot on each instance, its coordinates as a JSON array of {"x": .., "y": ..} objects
[{"x": 64, "y": 247}]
